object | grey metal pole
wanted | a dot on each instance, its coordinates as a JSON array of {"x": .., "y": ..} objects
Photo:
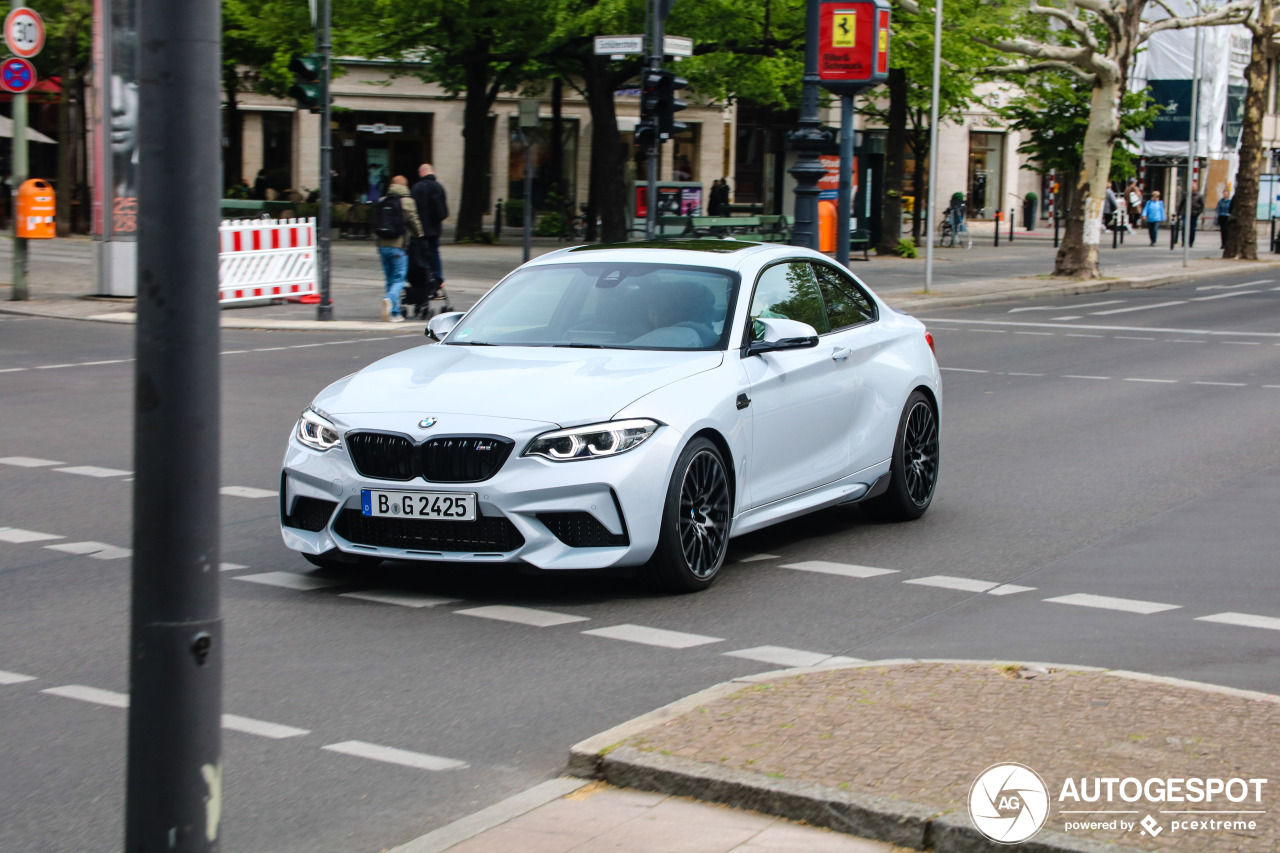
[
  {"x": 1191, "y": 149},
  {"x": 324, "y": 310},
  {"x": 174, "y": 776},
  {"x": 930, "y": 215},
  {"x": 20, "y": 169},
  {"x": 844, "y": 192},
  {"x": 808, "y": 139},
  {"x": 528, "y": 194},
  {"x": 657, "y": 32}
]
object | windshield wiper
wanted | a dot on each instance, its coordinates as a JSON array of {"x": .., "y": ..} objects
[
  {"x": 583, "y": 346},
  {"x": 470, "y": 344}
]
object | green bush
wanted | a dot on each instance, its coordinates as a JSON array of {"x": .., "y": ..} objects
[
  {"x": 1032, "y": 197},
  {"x": 513, "y": 212},
  {"x": 549, "y": 225},
  {"x": 907, "y": 248}
]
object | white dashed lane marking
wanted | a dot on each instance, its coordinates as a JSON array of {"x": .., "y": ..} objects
[
  {"x": 247, "y": 492},
  {"x": 28, "y": 462},
  {"x": 403, "y": 599},
  {"x": 521, "y": 615},
  {"x": 753, "y": 558},
  {"x": 230, "y": 567},
  {"x": 1223, "y": 295},
  {"x": 653, "y": 636},
  {"x": 1076, "y": 376},
  {"x": 783, "y": 656},
  {"x": 1129, "y": 605},
  {"x": 391, "y": 755},
  {"x": 1158, "y": 381},
  {"x": 1139, "y": 308},
  {"x": 14, "y": 677},
  {"x": 845, "y": 569},
  {"x": 96, "y": 550},
  {"x": 234, "y": 722},
  {"x": 94, "y": 471},
  {"x": 290, "y": 580},
  {"x": 1244, "y": 620},
  {"x": 969, "y": 585},
  {"x": 90, "y": 694},
  {"x": 18, "y": 535},
  {"x": 250, "y": 726}
]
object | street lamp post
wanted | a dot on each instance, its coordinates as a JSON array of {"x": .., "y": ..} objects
[
  {"x": 930, "y": 217},
  {"x": 1191, "y": 150},
  {"x": 808, "y": 140}
]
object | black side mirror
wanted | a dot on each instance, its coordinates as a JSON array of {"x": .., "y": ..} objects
[{"x": 758, "y": 347}]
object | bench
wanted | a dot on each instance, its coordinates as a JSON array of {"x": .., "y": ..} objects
[
  {"x": 775, "y": 229},
  {"x": 860, "y": 241},
  {"x": 246, "y": 208}
]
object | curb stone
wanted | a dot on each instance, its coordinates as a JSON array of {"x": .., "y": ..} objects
[{"x": 878, "y": 818}]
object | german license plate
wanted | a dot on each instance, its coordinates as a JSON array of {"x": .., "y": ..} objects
[{"x": 437, "y": 506}]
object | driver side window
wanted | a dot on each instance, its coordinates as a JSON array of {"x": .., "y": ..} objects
[{"x": 789, "y": 291}]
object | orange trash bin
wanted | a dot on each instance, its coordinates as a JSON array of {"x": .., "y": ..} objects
[
  {"x": 36, "y": 210},
  {"x": 826, "y": 225}
]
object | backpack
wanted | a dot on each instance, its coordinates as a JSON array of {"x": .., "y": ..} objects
[{"x": 388, "y": 218}]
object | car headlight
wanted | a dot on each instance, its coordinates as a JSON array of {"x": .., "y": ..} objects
[
  {"x": 316, "y": 431},
  {"x": 592, "y": 441}
]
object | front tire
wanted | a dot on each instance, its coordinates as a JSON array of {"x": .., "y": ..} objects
[
  {"x": 914, "y": 468},
  {"x": 694, "y": 536}
]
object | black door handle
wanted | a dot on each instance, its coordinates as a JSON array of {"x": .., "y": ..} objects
[{"x": 743, "y": 401}]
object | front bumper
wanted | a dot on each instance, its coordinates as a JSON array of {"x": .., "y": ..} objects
[{"x": 589, "y": 514}]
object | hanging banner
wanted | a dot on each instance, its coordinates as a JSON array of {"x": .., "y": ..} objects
[
  {"x": 1174, "y": 123},
  {"x": 115, "y": 144}
]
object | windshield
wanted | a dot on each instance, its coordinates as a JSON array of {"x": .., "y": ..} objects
[{"x": 606, "y": 305}]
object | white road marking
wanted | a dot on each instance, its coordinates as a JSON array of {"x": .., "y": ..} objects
[
  {"x": 13, "y": 369},
  {"x": 1244, "y": 343},
  {"x": 1024, "y": 374},
  {"x": 1129, "y": 605},
  {"x": 404, "y": 599},
  {"x": 1208, "y": 333},
  {"x": 1185, "y": 341},
  {"x": 1043, "y": 334},
  {"x": 948, "y": 582},
  {"x": 247, "y": 492},
  {"x": 1069, "y": 335},
  {"x": 18, "y": 535},
  {"x": 14, "y": 677},
  {"x": 780, "y": 655},
  {"x": 845, "y": 569},
  {"x": 757, "y": 557},
  {"x": 1232, "y": 286},
  {"x": 522, "y": 615},
  {"x": 391, "y": 755},
  {"x": 1073, "y": 376},
  {"x": 989, "y": 331},
  {"x": 964, "y": 370},
  {"x": 94, "y": 471},
  {"x": 1224, "y": 384},
  {"x": 1138, "y": 308},
  {"x": 250, "y": 726},
  {"x": 108, "y": 361},
  {"x": 289, "y": 580},
  {"x": 90, "y": 694},
  {"x": 1073, "y": 307},
  {"x": 1009, "y": 589},
  {"x": 28, "y": 461},
  {"x": 1132, "y": 338},
  {"x": 1163, "y": 381},
  {"x": 270, "y": 349},
  {"x": 54, "y": 366},
  {"x": 233, "y": 351},
  {"x": 96, "y": 550},
  {"x": 653, "y": 636},
  {"x": 1068, "y": 317},
  {"x": 1223, "y": 295},
  {"x": 1271, "y": 386},
  {"x": 1245, "y": 620},
  {"x": 230, "y": 567}
]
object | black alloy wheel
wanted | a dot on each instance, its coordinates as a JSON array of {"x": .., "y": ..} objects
[
  {"x": 695, "y": 521},
  {"x": 914, "y": 468}
]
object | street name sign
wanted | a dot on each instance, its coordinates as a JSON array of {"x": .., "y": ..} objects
[
  {"x": 677, "y": 46},
  {"x": 619, "y": 45}
]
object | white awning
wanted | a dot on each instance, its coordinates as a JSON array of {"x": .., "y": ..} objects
[{"x": 33, "y": 135}]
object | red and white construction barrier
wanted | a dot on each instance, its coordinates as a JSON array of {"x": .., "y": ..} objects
[{"x": 267, "y": 259}]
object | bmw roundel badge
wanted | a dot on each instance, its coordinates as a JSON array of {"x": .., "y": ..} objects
[{"x": 427, "y": 423}]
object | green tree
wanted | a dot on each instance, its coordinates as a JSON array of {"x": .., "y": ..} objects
[
  {"x": 1242, "y": 234},
  {"x": 67, "y": 57}
]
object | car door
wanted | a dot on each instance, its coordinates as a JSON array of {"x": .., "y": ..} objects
[
  {"x": 799, "y": 398},
  {"x": 871, "y": 376}
]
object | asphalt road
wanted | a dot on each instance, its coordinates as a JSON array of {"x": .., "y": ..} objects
[{"x": 1117, "y": 450}]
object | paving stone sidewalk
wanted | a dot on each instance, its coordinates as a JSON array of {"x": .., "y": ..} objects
[{"x": 891, "y": 750}]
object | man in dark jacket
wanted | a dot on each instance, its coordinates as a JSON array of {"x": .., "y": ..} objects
[{"x": 433, "y": 208}]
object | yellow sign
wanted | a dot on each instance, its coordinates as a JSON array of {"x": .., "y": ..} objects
[
  {"x": 884, "y": 41},
  {"x": 844, "y": 27}
]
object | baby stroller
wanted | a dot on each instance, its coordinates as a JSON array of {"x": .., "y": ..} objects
[{"x": 422, "y": 285}]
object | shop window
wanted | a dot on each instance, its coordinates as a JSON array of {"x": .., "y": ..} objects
[
  {"x": 277, "y": 150},
  {"x": 544, "y": 182},
  {"x": 685, "y": 154}
]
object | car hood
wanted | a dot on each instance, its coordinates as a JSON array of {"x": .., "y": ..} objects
[{"x": 560, "y": 386}]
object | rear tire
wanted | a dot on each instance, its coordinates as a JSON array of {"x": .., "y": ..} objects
[
  {"x": 914, "y": 468},
  {"x": 694, "y": 536},
  {"x": 335, "y": 559}
]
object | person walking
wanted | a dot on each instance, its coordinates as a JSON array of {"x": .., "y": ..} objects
[
  {"x": 1109, "y": 205},
  {"x": 433, "y": 208},
  {"x": 1153, "y": 212},
  {"x": 395, "y": 223},
  {"x": 1133, "y": 198},
  {"x": 1223, "y": 213},
  {"x": 1197, "y": 210}
]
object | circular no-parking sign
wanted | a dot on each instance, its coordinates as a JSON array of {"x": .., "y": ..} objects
[
  {"x": 17, "y": 75},
  {"x": 24, "y": 32}
]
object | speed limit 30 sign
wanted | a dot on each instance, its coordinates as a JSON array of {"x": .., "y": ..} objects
[{"x": 24, "y": 32}]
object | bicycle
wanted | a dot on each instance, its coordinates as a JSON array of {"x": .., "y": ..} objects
[
  {"x": 573, "y": 226},
  {"x": 953, "y": 230}
]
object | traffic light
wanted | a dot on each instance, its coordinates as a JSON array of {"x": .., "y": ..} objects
[
  {"x": 651, "y": 96},
  {"x": 669, "y": 105},
  {"x": 307, "y": 69},
  {"x": 645, "y": 135}
]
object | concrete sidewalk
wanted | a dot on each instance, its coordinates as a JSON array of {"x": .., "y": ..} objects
[
  {"x": 886, "y": 754},
  {"x": 61, "y": 283}
]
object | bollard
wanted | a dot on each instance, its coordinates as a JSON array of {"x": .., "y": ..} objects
[
  {"x": 1011, "y": 219},
  {"x": 1274, "y": 247},
  {"x": 997, "y": 227},
  {"x": 497, "y": 221},
  {"x": 1174, "y": 226},
  {"x": 1115, "y": 233},
  {"x": 1055, "y": 229}
]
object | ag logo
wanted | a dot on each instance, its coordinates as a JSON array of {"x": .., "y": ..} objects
[{"x": 1008, "y": 803}]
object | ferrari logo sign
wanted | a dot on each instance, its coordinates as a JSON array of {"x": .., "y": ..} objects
[{"x": 844, "y": 28}]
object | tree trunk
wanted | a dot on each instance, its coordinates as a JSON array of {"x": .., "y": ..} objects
[
  {"x": 556, "y": 166},
  {"x": 476, "y": 149},
  {"x": 1078, "y": 254},
  {"x": 895, "y": 161},
  {"x": 66, "y": 181},
  {"x": 920, "y": 148},
  {"x": 1242, "y": 233},
  {"x": 233, "y": 158},
  {"x": 608, "y": 188}
]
